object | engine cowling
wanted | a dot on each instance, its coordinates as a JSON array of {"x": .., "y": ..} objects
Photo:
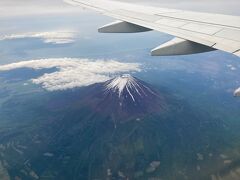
[
  {"x": 122, "y": 27},
  {"x": 179, "y": 46}
]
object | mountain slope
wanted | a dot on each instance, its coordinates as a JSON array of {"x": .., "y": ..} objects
[{"x": 125, "y": 98}]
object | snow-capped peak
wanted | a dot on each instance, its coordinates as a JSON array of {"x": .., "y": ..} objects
[
  {"x": 119, "y": 83},
  {"x": 126, "y": 86},
  {"x": 125, "y": 97}
]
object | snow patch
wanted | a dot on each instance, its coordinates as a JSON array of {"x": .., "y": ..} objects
[
  {"x": 128, "y": 86},
  {"x": 118, "y": 84}
]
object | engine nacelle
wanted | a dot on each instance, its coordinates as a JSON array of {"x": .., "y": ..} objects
[
  {"x": 179, "y": 46},
  {"x": 122, "y": 27}
]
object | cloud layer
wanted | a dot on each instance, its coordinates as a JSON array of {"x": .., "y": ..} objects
[
  {"x": 73, "y": 73},
  {"x": 54, "y": 37}
]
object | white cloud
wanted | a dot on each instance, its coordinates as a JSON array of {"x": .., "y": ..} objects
[
  {"x": 54, "y": 37},
  {"x": 231, "y": 67},
  {"x": 73, "y": 73}
]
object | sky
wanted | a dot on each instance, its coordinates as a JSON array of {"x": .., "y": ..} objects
[{"x": 10, "y": 8}]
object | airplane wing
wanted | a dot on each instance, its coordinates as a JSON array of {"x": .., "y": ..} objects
[{"x": 195, "y": 32}]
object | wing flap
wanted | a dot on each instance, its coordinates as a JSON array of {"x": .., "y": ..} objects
[
  {"x": 171, "y": 22},
  {"x": 233, "y": 34},
  {"x": 137, "y": 15},
  {"x": 201, "y": 28},
  {"x": 206, "y": 18}
]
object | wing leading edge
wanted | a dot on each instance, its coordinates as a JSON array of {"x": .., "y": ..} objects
[{"x": 195, "y": 32}]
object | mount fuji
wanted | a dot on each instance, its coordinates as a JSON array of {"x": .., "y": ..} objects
[{"x": 125, "y": 98}]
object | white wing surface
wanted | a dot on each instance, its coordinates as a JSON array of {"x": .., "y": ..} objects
[{"x": 195, "y": 32}]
